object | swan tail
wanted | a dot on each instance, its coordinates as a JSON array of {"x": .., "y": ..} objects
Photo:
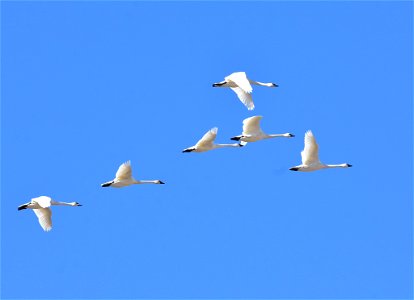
[
  {"x": 236, "y": 138},
  {"x": 23, "y": 206},
  {"x": 188, "y": 150},
  {"x": 106, "y": 184},
  {"x": 219, "y": 84}
]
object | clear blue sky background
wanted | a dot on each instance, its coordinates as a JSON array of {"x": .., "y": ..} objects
[{"x": 87, "y": 86}]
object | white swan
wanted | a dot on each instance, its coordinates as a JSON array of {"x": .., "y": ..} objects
[
  {"x": 123, "y": 177},
  {"x": 206, "y": 143},
  {"x": 240, "y": 84},
  {"x": 310, "y": 159},
  {"x": 41, "y": 207},
  {"x": 252, "y": 131}
]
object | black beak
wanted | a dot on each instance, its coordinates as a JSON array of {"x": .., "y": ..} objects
[
  {"x": 349, "y": 165},
  {"x": 275, "y": 85},
  {"x": 161, "y": 182},
  {"x": 187, "y": 150},
  {"x": 291, "y": 135},
  {"x": 235, "y": 138},
  {"x": 294, "y": 169}
]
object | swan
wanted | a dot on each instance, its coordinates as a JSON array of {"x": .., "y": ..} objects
[
  {"x": 241, "y": 85},
  {"x": 253, "y": 133},
  {"x": 41, "y": 207},
  {"x": 123, "y": 177},
  {"x": 206, "y": 143},
  {"x": 310, "y": 159}
]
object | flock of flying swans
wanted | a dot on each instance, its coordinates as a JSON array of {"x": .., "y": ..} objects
[{"x": 252, "y": 132}]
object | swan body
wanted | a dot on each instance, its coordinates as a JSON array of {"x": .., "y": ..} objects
[
  {"x": 206, "y": 143},
  {"x": 310, "y": 157},
  {"x": 253, "y": 133},
  {"x": 41, "y": 207},
  {"x": 123, "y": 177},
  {"x": 241, "y": 85}
]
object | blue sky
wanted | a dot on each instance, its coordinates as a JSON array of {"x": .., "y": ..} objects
[{"x": 87, "y": 86}]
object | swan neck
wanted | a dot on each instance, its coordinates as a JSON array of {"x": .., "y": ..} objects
[
  {"x": 275, "y": 135},
  {"x": 145, "y": 181},
  {"x": 336, "y": 166},
  {"x": 60, "y": 203},
  {"x": 226, "y": 145},
  {"x": 260, "y": 83}
]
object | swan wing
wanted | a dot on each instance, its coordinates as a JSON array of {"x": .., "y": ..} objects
[
  {"x": 310, "y": 152},
  {"x": 251, "y": 126},
  {"x": 208, "y": 138},
  {"x": 240, "y": 79},
  {"x": 43, "y": 201},
  {"x": 124, "y": 171},
  {"x": 44, "y": 216},
  {"x": 244, "y": 97}
]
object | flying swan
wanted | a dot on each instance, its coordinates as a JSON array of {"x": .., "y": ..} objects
[
  {"x": 310, "y": 159},
  {"x": 207, "y": 143},
  {"x": 41, "y": 207},
  {"x": 240, "y": 84},
  {"x": 123, "y": 177},
  {"x": 253, "y": 133}
]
